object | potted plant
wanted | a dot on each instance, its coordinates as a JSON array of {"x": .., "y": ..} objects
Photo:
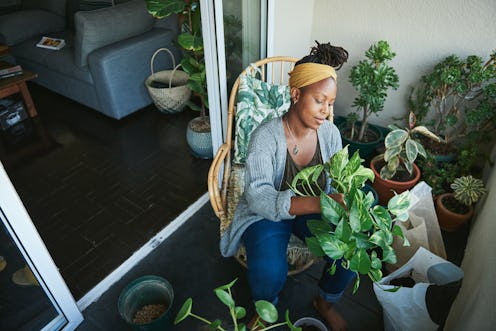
[
  {"x": 265, "y": 310},
  {"x": 198, "y": 132},
  {"x": 395, "y": 170},
  {"x": 457, "y": 102},
  {"x": 455, "y": 208},
  {"x": 371, "y": 77},
  {"x": 357, "y": 233}
]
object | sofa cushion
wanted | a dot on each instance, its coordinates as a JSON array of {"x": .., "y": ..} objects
[
  {"x": 13, "y": 27},
  {"x": 60, "y": 61},
  {"x": 98, "y": 28},
  {"x": 54, "y": 6},
  {"x": 94, "y": 4}
]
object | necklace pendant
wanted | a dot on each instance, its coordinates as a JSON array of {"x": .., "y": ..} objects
[{"x": 295, "y": 150}]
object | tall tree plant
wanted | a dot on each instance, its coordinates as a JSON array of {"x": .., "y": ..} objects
[{"x": 372, "y": 77}]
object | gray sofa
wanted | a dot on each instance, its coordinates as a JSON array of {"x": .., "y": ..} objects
[{"x": 107, "y": 55}]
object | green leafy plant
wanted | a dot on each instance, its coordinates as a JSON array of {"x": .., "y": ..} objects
[
  {"x": 191, "y": 41},
  {"x": 402, "y": 148},
  {"x": 440, "y": 175},
  {"x": 265, "y": 310},
  {"x": 354, "y": 233},
  {"x": 468, "y": 190},
  {"x": 372, "y": 77},
  {"x": 457, "y": 100}
]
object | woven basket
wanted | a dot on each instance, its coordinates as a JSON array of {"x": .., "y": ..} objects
[{"x": 171, "y": 99}]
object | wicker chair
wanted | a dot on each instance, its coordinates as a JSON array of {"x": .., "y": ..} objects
[{"x": 225, "y": 198}]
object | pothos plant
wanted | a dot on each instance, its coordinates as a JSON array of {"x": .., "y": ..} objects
[
  {"x": 265, "y": 310},
  {"x": 354, "y": 233}
]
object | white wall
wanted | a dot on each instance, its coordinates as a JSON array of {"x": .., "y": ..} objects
[
  {"x": 292, "y": 27},
  {"x": 420, "y": 32}
]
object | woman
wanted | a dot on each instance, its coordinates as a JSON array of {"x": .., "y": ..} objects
[{"x": 268, "y": 211}]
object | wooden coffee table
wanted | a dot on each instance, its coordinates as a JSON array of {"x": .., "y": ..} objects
[{"x": 17, "y": 84}]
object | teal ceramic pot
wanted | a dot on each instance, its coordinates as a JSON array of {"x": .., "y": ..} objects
[
  {"x": 200, "y": 143},
  {"x": 145, "y": 291},
  {"x": 366, "y": 149}
]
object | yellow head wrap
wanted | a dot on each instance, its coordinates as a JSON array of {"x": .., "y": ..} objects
[{"x": 308, "y": 73}]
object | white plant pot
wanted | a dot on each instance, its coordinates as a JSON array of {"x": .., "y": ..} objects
[{"x": 310, "y": 321}]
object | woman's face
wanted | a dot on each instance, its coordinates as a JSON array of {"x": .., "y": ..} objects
[{"x": 313, "y": 103}]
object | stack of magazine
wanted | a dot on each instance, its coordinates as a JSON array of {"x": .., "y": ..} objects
[
  {"x": 9, "y": 70},
  {"x": 51, "y": 43}
]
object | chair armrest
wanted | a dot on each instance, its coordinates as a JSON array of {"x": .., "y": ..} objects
[{"x": 218, "y": 195}]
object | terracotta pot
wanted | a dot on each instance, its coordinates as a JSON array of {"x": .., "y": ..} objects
[
  {"x": 385, "y": 187},
  {"x": 448, "y": 220}
]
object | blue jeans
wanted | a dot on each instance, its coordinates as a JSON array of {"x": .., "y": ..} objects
[{"x": 266, "y": 243}]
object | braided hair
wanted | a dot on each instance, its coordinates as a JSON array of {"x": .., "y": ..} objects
[{"x": 333, "y": 56}]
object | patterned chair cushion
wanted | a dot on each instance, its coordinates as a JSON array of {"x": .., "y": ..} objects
[{"x": 257, "y": 102}]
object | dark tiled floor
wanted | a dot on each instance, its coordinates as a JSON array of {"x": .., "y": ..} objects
[
  {"x": 98, "y": 189},
  {"x": 191, "y": 262}
]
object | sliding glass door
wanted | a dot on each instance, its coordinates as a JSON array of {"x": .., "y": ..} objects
[
  {"x": 234, "y": 35},
  {"x": 33, "y": 295}
]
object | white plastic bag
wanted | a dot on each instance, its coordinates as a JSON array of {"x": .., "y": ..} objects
[
  {"x": 421, "y": 230},
  {"x": 406, "y": 308},
  {"x": 423, "y": 207}
]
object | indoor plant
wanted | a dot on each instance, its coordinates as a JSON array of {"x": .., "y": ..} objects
[
  {"x": 193, "y": 63},
  {"x": 455, "y": 208},
  {"x": 395, "y": 170},
  {"x": 357, "y": 232},
  {"x": 371, "y": 77},
  {"x": 457, "y": 102},
  {"x": 265, "y": 310}
]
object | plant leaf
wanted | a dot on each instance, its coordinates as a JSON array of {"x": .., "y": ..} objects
[
  {"x": 332, "y": 247},
  {"x": 266, "y": 311},
  {"x": 400, "y": 203},
  {"x": 225, "y": 297},
  {"x": 382, "y": 217},
  {"x": 331, "y": 210},
  {"x": 314, "y": 246},
  {"x": 343, "y": 231},
  {"x": 240, "y": 312},
  {"x": 376, "y": 274},
  {"x": 388, "y": 255},
  {"x": 357, "y": 284},
  {"x": 360, "y": 262},
  {"x": 395, "y": 138},
  {"x": 184, "y": 312}
]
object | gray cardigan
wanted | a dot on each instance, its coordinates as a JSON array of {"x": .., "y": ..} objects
[{"x": 264, "y": 170}]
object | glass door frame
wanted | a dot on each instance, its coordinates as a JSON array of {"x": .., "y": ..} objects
[
  {"x": 215, "y": 60},
  {"x": 23, "y": 232}
]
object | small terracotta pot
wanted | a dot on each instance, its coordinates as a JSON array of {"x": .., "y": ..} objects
[
  {"x": 385, "y": 187},
  {"x": 448, "y": 220}
]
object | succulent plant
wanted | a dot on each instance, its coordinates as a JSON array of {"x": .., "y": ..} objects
[{"x": 468, "y": 190}]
